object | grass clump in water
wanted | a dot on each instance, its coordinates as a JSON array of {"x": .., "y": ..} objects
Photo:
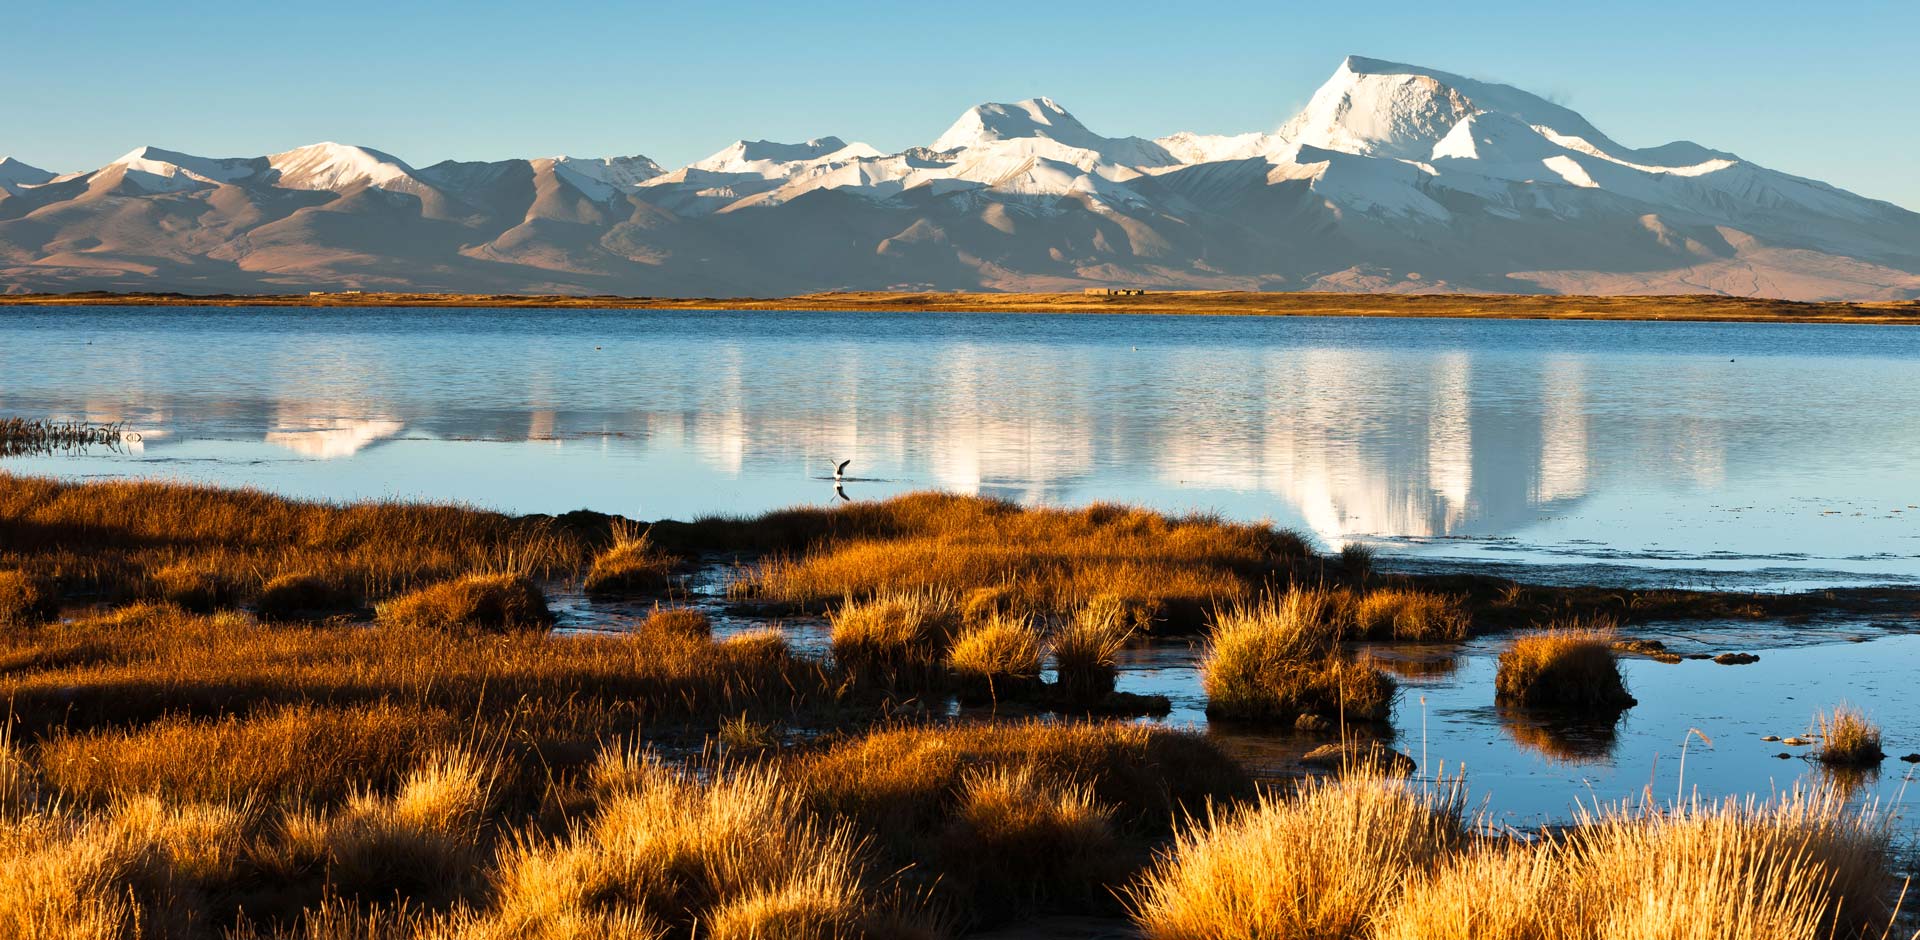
[
  {"x": 1086, "y": 648},
  {"x": 1407, "y": 614},
  {"x": 632, "y": 565},
  {"x": 1848, "y": 738},
  {"x": 897, "y": 638},
  {"x": 1000, "y": 656},
  {"x": 1571, "y": 667},
  {"x": 477, "y": 603},
  {"x": 678, "y": 621},
  {"x": 1281, "y": 658}
]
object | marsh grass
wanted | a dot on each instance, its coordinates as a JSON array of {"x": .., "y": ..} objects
[
  {"x": 1848, "y": 738},
  {"x": 632, "y": 565},
  {"x": 1020, "y": 841},
  {"x": 1086, "y": 648},
  {"x": 120, "y": 540},
  {"x": 896, "y": 639},
  {"x": 1570, "y": 666},
  {"x": 1321, "y": 864},
  {"x": 476, "y": 603},
  {"x": 1036, "y": 560},
  {"x": 678, "y": 621},
  {"x": 1281, "y": 657},
  {"x": 998, "y": 657},
  {"x": 1367, "y": 857},
  {"x": 25, "y": 600},
  {"x": 1409, "y": 614}
]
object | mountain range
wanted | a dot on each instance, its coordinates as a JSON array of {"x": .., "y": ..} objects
[{"x": 1392, "y": 178}]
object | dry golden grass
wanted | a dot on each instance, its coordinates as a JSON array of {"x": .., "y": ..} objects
[
  {"x": 896, "y": 638},
  {"x": 1570, "y": 666},
  {"x": 1848, "y": 738},
  {"x": 1086, "y": 648},
  {"x": 1033, "y": 559},
  {"x": 146, "y": 662},
  {"x": 997, "y": 656},
  {"x": 422, "y": 842},
  {"x": 678, "y": 621},
  {"x": 1369, "y": 858},
  {"x": 903, "y": 780},
  {"x": 477, "y": 603},
  {"x": 733, "y": 854},
  {"x": 135, "y": 539},
  {"x": 1318, "y": 865},
  {"x": 25, "y": 600},
  {"x": 1281, "y": 657},
  {"x": 1407, "y": 614},
  {"x": 287, "y": 752},
  {"x": 1020, "y": 841},
  {"x": 632, "y": 565}
]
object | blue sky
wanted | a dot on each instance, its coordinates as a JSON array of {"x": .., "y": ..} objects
[{"x": 1827, "y": 92}]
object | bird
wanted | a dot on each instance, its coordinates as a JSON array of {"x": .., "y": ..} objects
[{"x": 839, "y": 472}]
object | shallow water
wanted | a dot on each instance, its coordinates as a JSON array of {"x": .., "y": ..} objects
[{"x": 1764, "y": 455}]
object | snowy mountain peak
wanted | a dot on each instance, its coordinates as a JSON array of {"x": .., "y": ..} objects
[
  {"x": 1035, "y": 117},
  {"x": 761, "y": 156},
  {"x": 332, "y": 166},
  {"x": 171, "y": 169}
]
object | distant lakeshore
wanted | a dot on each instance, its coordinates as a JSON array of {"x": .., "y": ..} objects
[{"x": 1690, "y": 307}]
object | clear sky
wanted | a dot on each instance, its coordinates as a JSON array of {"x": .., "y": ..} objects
[{"x": 1822, "y": 90}]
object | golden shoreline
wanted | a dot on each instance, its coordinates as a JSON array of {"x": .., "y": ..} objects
[{"x": 1684, "y": 308}]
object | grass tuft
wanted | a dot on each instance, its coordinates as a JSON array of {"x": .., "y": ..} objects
[
  {"x": 678, "y": 621},
  {"x": 1571, "y": 667},
  {"x": 632, "y": 565},
  {"x": 1086, "y": 649},
  {"x": 1848, "y": 738},
  {"x": 1281, "y": 658},
  {"x": 290, "y": 597},
  {"x": 25, "y": 600},
  {"x": 898, "y": 638},
  {"x": 996, "y": 657},
  {"x": 477, "y": 603},
  {"x": 1406, "y": 614}
]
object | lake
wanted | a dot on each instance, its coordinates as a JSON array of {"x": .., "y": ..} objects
[
  {"x": 1763, "y": 456},
  {"x": 1773, "y": 456}
]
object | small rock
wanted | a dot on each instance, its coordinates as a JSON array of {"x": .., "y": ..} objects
[
  {"x": 1771, "y": 737},
  {"x": 1912, "y": 758},
  {"x": 1699, "y": 655},
  {"x": 1340, "y": 756},
  {"x": 1796, "y": 742},
  {"x": 1643, "y": 647},
  {"x": 1311, "y": 723},
  {"x": 1783, "y": 755},
  {"x": 1736, "y": 659}
]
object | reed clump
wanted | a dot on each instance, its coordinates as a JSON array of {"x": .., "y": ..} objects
[
  {"x": 1086, "y": 648},
  {"x": 1000, "y": 656},
  {"x": 632, "y": 565},
  {"x": 1409, "y": 614},
  {"x": 480, "y": 603},
  {"x": 1848, "y": 738},
  {"x": 1281, "y": 658},
  {"x": 678, "y": 621},
  {"x": 422, "y": 842},
  {"x": 39, "y": 436},
  {"x": 1033, "y": 559},
  {"x": 1572, "y": 666},
  {"x": 895, "y": 638}
]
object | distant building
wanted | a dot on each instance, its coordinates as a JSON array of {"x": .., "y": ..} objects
[{"x": 1116, "y": 291}]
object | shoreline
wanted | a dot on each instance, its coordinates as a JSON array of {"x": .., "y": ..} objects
[{"x": 1681, "y": 308}]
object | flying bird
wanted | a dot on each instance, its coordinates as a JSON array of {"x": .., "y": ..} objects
[{"x": 839, "y": 472}]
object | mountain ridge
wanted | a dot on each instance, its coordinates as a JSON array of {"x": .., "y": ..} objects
[{"x": 1392, "y": 178}]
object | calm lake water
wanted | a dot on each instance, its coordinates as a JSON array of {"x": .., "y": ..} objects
[
  {"x": 1774, "y": 456},
  {"x": 1771, "y": 455}
]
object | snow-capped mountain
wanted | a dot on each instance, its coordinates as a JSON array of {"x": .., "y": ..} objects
[{"x": 1393, "y": 177}]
